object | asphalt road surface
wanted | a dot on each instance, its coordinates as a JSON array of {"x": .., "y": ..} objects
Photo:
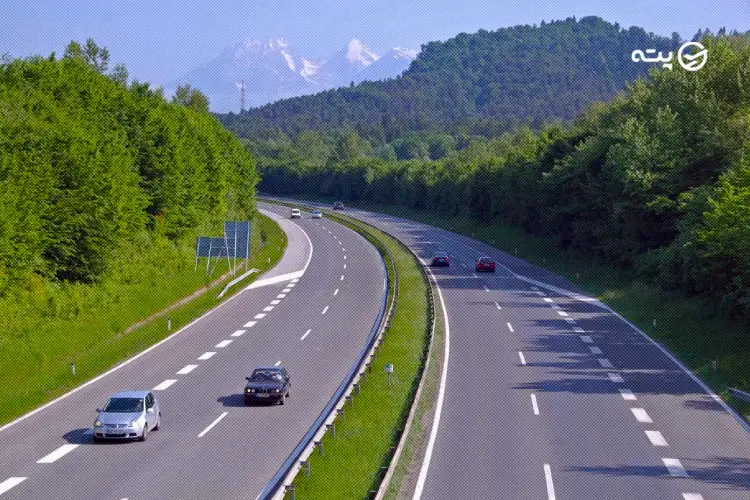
[
  {"x": 311, "y": 313},
  {"x": 550, "y": 397}
]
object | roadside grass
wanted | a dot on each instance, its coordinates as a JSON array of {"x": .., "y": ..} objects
[
  {"x": 367, "y": 435},
  {"x": 690, "y": 327},
  {"x": 35, "y": 366}
]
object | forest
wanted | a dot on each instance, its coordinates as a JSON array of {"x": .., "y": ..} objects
[
  {"x": 482, "y": 83},
  {"x": 95, "y": 172},
  {"x": 657, "y": 180}
]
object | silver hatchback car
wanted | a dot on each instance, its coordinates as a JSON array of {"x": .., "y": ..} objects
[{"x": 128, "y": 415}]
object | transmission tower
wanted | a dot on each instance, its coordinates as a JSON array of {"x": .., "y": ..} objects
[{"x": 242, "y": 96}]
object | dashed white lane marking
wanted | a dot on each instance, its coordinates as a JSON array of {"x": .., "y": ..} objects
[
  {"x": 343, "y": 249},
  {"x": 523, "y": 359},
  {"x": 474, "y": 275},
  {"x": 295, "y": 280},
  {"x": 238, "y": 333},
  {"x": 344, "y": 266},
  {"x": 587, "y": 339},
  {"x": 335, "y": 292},
  {"x": 463, "y": 265},
  {"x": 340, "y": 243},
  {"x": 250, "y": 324},
  {"x": 335, "y": 237},
  {"x": 510, "y": 327},
  {"x": 616, "y": 378},
  {"x": 547, "y": 299},
  {"x": 205, "y": 356},
  {"x": 268, "y": 308},
  {"x": 291, "y": 285},
  {"x": 562, "y": 313},
  {"x": 286, "y": 290},
  {"x": 595, "y": 350},
  {"x": 344, "y": 257},
  {"x": 541, "y": 294},
  {"x": 627, "y": 394},
  {"x": 498, "y": 306},
  {"x": 212, "y": 424},
  {"x": 342, "y": 277},
  {"x": 58, "y": 453},
  {"x": 548, "y": 480},
  {"x": 224, "y": 343},
  {"x": 305, "y": 335},
  {"x": 187, "y": 369},
  {"x": 578, "y": 329},
  {"x": 605, "y": 363},
  {"x": 164, "y": 385},
  {"x": 486, "y": 289},
  {"x": 277, "y": 363},
  {"x": 259, "y": 316},
  {"x": 692, "y": 496},
  {"x": 534, "y": 288},
  {"x": 281, "y": 296},
  {"x": 325, "y": 310},
  {"x": 656, "y": 438},
  {"x": 275, "y": 302},
  {"x": 555, "y": 307},
  {"x": 534, "y": 405},
  {"x": 641, "y": 415},
  {"x": 569, "y": 320},
  {"x": 10, "y": 483},
  {"x": 674, "y": 467}
]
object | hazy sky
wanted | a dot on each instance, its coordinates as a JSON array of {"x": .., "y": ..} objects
[{"x": 161, "y": 40}]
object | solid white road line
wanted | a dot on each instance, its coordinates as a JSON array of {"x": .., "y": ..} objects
[
  {"x": 548, "y": 480},
  {"x": 510, "y": 327},
  {"x": 281, "y": 296},
  {"x": 534, "y": 405},
  {"x": 656, "y": 438},
  {"x": 250, "y": 324},
  {"x": 641, "y": 415},
  {"x": 587, "y": 339},
  {"x": 238, "y": 333},
  {"x": 58, "y": 453},
  {"x": 10, "y": 483},
  {"x": 523, "y": 359},
  {"x": 187, "y": 369},
  {"x": 164, "y": 385},
  {"x": 605, "y": 363},
  {"x": 275, "y": 302},
  {"x": 305, "y": 335},
  {"x": 674, "y": 467},
  {"x": 205, "y": 356},
  {"x": 325, "y": 310},
  {"x": 268, "y": 308},
  {"x": 616, "y": 378},
  {"x": 277, "y": 363},
  {"x": 595, "y": 350},
  {"x": 335, "y": 292},
  {"x": 259, "y": 316},
  {"x": 627, "y": 394},
  {"x": 692, "y": 496},
  {"x": 578, "y": 329},
  {"x": 213, "y": 424},
  {"x": 224, "y": 343},
  {"x": 441, "y": 397},
  {"x": 498, "y": 306}
]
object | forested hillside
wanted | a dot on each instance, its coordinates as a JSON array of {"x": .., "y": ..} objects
[
  {"x": 481, "y": 83},
  {"x": 94, "y": 173},
  {"x": 658, "y": 180}
]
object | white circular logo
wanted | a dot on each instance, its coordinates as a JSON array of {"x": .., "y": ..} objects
[{"x": 692, "y": 62}]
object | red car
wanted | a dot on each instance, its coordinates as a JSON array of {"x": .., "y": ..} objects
[{"x": 485, "y": 264}]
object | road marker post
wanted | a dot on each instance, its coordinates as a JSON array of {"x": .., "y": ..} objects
[{"x": 388, "y": 371}]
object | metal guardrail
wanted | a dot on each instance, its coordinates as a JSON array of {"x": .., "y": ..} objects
[
  {"x": 745, "y": 396},
  {"x": 281, "y": 482}
]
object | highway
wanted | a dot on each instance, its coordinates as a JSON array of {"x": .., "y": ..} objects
[
  {"x": 545, "y": 396},
  {"x": 311, "y": 314}
]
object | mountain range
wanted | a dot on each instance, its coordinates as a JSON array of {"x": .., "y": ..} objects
[{"x": 273, "y": 69}]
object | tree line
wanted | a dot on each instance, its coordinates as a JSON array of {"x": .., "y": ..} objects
[
  {"x": 91, "y": 164},
  {"x": 657, "y": 180}
]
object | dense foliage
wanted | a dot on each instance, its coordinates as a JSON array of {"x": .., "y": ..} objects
[
  {"x": 92, "y": 169},
  {"x": 484, "y": 82},
  {"x": 658, "y": 180}
]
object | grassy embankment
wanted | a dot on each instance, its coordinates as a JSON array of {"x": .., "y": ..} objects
[{"x": 85, "y": 324}]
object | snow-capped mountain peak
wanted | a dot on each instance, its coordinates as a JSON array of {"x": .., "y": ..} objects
[{"x": 357, "y": 52}]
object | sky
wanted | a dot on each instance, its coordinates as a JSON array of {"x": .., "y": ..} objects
[{"x": 161, "y": 40}]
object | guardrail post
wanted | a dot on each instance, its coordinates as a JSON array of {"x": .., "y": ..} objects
[
  {"x": 356, "y": 388},
  {"x": 349, "y": 399},
  {"x": 332, "y": 428},
  {"x": 290, "y": 489},
  {"x": 341, "y": 412},
  {"x": 319, "y": 444},
  {"x": 306, "y": 465}
]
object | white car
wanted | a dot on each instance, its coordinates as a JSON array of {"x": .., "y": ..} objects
[
  {"x": 296, "y": 214},
  {"x": 317, "y": 214}
]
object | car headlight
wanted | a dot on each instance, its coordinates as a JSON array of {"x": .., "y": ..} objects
[
  {"x": 249, "y": 390},
  {"x": 277, "y": 390},
  {"x": 135, "y": 422},
  {"x": 98, "y": 423}
]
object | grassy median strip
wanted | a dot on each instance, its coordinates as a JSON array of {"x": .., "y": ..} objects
[
  {"x": 354, "y": 460},
  {"x": 37, "y": 367}
]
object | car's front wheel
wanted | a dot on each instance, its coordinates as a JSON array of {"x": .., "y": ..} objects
[
  {"x": 144, "y": 435},
  {"x": 158, "y": 422}
]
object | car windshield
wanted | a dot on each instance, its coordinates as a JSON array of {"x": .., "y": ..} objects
[
  {"x": 266, "y": 376},
  {"x": 441, "y": 255},
  {"x": 124, "y": 405},
  {"x": 485, "y": 260}
]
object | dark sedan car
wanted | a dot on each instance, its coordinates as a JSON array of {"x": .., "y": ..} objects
[
  {"x": 338, "y": 206},
  {"x": 485, "y": 264},
  {"x": 440, "y": 259},
  {"x": 268, "y": 384}
]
